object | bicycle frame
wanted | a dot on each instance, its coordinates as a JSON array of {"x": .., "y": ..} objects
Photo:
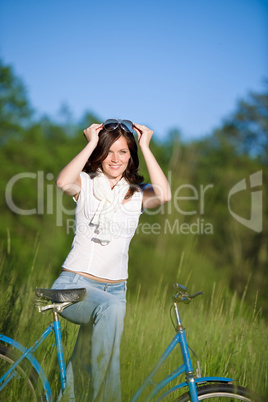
[
  {"x": 186, "y": 367},
  {"x": 28, "y": 354},
  {"x": 158, "y": 388}
]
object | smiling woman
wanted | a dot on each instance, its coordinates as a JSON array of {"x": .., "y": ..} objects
[
  {"x": 117, "y": 154},
  {"x": 110, "y": 196},
  {"x": 116, "y": 161}
]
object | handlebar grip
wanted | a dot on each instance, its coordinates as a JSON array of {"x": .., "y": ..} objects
[
  {"x": 195, "y": 294},
  {"x": 184, "y": 297},
  {"x": 178, "y": 286}
]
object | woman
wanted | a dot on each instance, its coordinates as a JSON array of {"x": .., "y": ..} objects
[{"x": 104, "y": 181}]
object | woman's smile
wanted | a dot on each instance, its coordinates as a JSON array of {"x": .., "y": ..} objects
[{"x": 114, "y": 165}]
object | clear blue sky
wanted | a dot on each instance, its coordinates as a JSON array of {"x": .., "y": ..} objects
[{"x": 164, "y": 63}]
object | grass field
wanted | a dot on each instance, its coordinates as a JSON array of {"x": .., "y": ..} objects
[{"x": 229, "y": 336}]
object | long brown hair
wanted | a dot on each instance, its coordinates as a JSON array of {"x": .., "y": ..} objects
[{"x": 106, "y": 139}]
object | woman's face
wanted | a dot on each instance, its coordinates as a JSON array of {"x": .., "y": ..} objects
[{"x": 114, "y": 165}]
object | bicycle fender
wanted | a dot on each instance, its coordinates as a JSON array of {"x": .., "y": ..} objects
[
  {"x": 212, "y": 379},
  {"x": 198, "y": 381},
  {"x": 33, "y": 361},
  {"x": 203, "y": 380}
]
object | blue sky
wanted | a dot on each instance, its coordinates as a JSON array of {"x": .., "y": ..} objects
[{"x": 167, "y": 64}]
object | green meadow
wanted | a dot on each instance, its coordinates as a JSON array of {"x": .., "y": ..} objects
[
  {"x": 228, "y": 335},
  {"x": 211, "y": 237}
]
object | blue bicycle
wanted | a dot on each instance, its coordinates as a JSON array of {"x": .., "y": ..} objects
[{"x": 23, "y": 378}]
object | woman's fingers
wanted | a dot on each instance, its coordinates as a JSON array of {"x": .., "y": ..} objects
[
  {"x": 144, "y": 134},
  {"x": 92, "y": 132}
]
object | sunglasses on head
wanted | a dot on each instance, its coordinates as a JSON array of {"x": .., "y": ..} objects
[{"x": 112, "y": 124}]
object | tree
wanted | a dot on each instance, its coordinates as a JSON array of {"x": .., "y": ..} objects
[
  {"x": 15, "y": 110},
  {"x": 234, "y": 152},
  {"x": 247, "y": 128}
]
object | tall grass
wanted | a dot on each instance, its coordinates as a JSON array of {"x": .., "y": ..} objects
[
  {"x": 228, "y": 335},
  {"x": 229, "y": 338}
]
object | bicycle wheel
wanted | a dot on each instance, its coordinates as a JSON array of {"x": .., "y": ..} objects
[
  {"x": 22, "y": 386},
  {"x": 220, "y": 392}
]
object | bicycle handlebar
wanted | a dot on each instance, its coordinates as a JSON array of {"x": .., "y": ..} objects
[{"x": 182, "y": 295}]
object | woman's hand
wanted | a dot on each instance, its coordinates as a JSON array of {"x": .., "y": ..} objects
[
  {"x": 144, "y": 134},
  {"x": 92, "y": 133},
  {"x": 69, "y": 178}
]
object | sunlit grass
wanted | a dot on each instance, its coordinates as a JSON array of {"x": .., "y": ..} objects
[
  {"x": 228, "y": 335},
  {"x": 229, "y": 339}
]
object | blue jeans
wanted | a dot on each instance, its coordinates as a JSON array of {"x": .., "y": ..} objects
[{"x": 94, "y": 367}]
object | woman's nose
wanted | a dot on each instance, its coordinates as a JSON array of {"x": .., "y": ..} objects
[{"x": 114, "y": 157}]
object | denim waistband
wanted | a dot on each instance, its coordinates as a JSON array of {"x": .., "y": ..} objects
[{"x": 105, "y": 285}]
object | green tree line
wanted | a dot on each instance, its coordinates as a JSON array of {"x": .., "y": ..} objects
[{"x": 197, "y": 238}]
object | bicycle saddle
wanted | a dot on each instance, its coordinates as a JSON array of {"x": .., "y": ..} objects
[{"x": 61, "y": 295}]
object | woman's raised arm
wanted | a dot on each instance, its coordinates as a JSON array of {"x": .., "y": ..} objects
[
  {"x": 159, "y": 192},
  {"x": 68, "y": 179}
]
